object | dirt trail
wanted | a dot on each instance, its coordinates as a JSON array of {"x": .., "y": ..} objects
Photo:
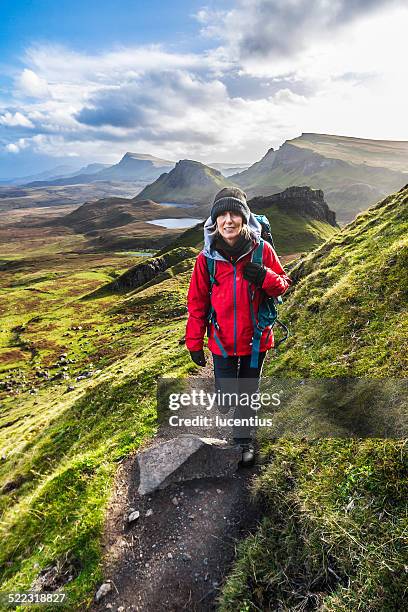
[{"x": 177, "y": 556}]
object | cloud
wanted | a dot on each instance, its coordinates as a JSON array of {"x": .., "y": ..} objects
[
  {"x": 331, "y": 69},
  {"x": 277, "y": 29},
  {"x": 16, "y": 147},
  {"x": 16, "y": 119},
  {"x": 146, "y": 100},
  {"x": 12, "y": 148},
  {"x": 32, "y": 85}
]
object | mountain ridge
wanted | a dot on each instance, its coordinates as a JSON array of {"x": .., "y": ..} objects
[
  {"x": 131, "y": 167},
  {"x": 189, "y": 182},
  {"x": 349, "y": 187}
]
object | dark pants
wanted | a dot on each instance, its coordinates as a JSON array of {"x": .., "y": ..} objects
[{"x": 233, "y": 375}]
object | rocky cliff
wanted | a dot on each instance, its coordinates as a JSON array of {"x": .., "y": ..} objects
[{"x": 304, "y": 201}]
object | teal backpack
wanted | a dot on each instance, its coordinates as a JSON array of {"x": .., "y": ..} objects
[{"x": 268, "y": 310}]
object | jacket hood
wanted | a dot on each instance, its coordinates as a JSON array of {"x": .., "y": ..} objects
[{"x": 254, "y": 228}]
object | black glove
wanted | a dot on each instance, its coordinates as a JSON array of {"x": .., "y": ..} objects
[
  {"x": 254, "y": 273},
  {"x": 198, "y": 357}
]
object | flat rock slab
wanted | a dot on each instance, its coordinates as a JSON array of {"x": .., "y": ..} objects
[{"x": 185, "y": 458}]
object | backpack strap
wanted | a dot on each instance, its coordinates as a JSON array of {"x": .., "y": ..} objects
[
  {"x": 267, "y": 313},
  {"x": 211, "y": 317},
  {"x": 211, "y": 267},
  {"x": 257, "y": 253}
]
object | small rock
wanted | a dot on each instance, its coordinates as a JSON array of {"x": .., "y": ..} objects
[
  {"x": 133, "y": 516},
  {"x": 103, "y": 590},
  {"x": 186, "y": 557},
  {"x": 70, "y": 388},
  {"x": 149, "y": 512},
  {"x": 169, "y": 555},
  {"x": 219, "y": 490},
  {"x": 121, "y": 609},
  {"x": 175, "y": 501}
]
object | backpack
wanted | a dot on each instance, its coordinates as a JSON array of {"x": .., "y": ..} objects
[
  {"x": 266, "y": 232},
  {"x": 267, "y": 312}
]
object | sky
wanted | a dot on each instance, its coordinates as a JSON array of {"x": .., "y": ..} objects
[{"x": 86, "y": 81}]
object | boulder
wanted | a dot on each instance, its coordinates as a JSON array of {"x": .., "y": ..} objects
[{"x": 184, "y": 458}]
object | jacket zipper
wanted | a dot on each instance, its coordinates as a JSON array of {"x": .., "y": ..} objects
[
  {"x": 235, "y": 309},
  {"x": 235, "y": 330},
  {"x": 235, "y": 298}
]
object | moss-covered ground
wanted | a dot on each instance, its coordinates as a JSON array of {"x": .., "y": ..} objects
[
  {"x": 334, "y": 533},
  {"x": 78, "y": 395}
]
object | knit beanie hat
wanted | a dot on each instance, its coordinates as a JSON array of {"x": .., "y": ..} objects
[{"x": 230, "y": 199}]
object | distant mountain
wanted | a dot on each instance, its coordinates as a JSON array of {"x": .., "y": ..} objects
[
  {"x": 189, "y": 182},
  {"x": 90, "y": 169},
  {"x": 353, "y": 172},
  {"x": 132, "y": 167},
  {"x": 57, "y": 172},
  {"x": 300, "y": 219},
  {"x": 117, "y": 223},
  {"x": 108, "y": 213},
  {"x": 228, "y": 169}
]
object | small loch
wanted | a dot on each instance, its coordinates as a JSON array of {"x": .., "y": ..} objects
[{"x": 181, "y": 223}]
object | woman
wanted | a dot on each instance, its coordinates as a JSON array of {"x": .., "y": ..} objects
[{"x": 231, "y": 234}]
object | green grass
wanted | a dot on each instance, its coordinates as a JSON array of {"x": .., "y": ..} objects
[
  {"x": 61, "y": 448},
  {"x": 333, "y": 535},
  {"x": 347, "y": 311}
]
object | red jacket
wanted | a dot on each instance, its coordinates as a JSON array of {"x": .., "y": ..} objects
[{"x": 232, "y": 307}]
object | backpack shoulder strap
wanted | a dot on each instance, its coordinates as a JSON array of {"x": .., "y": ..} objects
[
  {"x": 257, "y": 253},
  {"x": 211, "y": 266}
]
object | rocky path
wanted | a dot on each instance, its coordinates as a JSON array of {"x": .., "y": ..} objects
[{"x": 176, "y": 555}]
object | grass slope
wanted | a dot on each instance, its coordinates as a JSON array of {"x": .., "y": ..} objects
[
  {"x": 333, "y": 535},
  {"x": 348, "y": 309},
  {"x": 61, "y": 442}
]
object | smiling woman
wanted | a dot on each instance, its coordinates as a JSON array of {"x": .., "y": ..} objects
[{"x": 226, "y": 290}]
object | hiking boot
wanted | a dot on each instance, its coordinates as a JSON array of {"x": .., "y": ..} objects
[{"x": 248, "y": 451}]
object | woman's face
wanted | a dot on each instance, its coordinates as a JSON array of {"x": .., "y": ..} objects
[{"x": 229, "y": 224}]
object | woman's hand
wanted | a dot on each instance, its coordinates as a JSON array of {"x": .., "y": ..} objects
[
  {"x": 254, "y": 273},
  {"x": 198, "y": 357}
]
